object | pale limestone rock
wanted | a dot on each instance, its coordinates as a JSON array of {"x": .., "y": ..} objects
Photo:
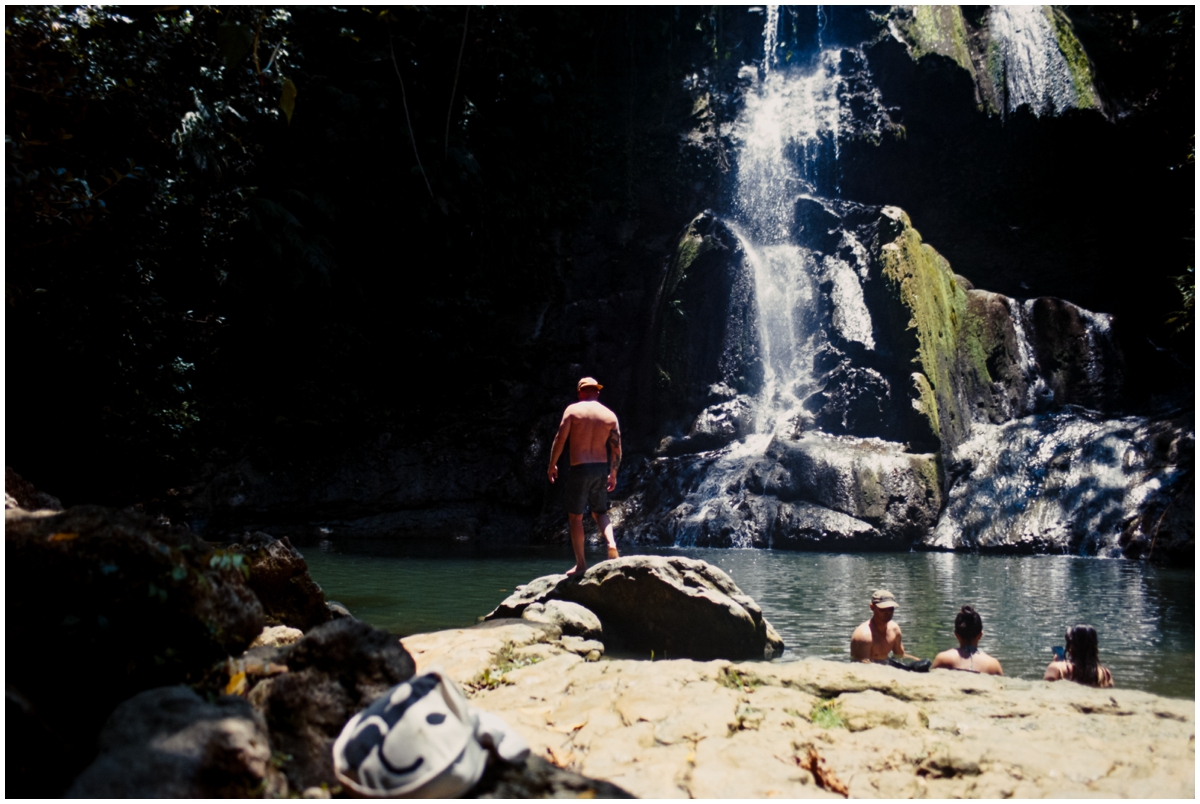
[
  {"x": 463, "y": 653},
  {"x": 751, "y": 764},
  {"x": 276, "y": 636},
  {"x": 679, "y": 728},
  {"x": 589, "y": 649},
  {"x": 870, "y": 709},
  {"x": 572, "y": 618}
]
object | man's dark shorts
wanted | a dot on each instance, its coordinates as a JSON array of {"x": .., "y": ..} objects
[{"x": 587, "y": 485}]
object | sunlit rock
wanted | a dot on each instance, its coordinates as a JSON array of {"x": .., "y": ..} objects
[{"x": 671, "y": 605}]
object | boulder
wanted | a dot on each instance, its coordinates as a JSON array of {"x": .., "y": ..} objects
[
  {"x": 715, "y": 426},
  {"x": 537, "y": 778},
  {"x": 817, "y": 226},
  {"x": 572, "y": 618},
  {"x": 589, "y": 649},
  {"x": 144, "y": 605},
  {"x": 804, "y": 526},
  {"x": 535, "y": 591},
  {"x": 897, "y": 492},
  {"x": 279, "y": 576},
  {"x": 675, "y": 606},
  {"x": 168, "y": 742},
  {"x": 20, "y": 493},
  {"x": 335, "y": 671},
  {"x": 855, "y": 401},
  {"x": 277, "y": 636}
]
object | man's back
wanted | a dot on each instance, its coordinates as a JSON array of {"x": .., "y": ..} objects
[{"x": 590, "y": 426}]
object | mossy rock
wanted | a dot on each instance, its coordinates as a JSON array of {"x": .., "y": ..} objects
[
  {"x": 928, "y": 323},
  {"x": 705, "y": 320}
]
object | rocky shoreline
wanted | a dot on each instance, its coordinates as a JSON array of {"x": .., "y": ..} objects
[
  {"x": 720, "y": 729},
  {"x": 155, "y": 664}
]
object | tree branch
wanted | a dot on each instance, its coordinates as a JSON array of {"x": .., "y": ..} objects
[
  {"x": 453, "y": 89},
  {"x": 412, "y": 135}
]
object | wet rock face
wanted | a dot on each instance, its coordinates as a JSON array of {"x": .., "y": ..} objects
[
  {"x": 706, "y": 330},
  {"x": 170, "y": 743},
  {"x": 1071, "y": 481},
  {"x": 142, "y": 603},
  {"x": 896, "y": 492},
  {"x": 675, "y": 606},
  {"x": 279, "y": 577}
]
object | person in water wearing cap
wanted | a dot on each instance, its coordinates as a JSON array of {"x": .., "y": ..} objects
[
  {"x": 595, "y": 456},
  {"x": 879, "y": 636}
]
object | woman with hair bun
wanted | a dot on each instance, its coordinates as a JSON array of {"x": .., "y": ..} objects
[
  {"x": 968, "y": 628},
  {"x": 1082, "y": 664}
]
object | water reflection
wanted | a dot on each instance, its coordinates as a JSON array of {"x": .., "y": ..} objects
[{"x": 1145, "y": 615}]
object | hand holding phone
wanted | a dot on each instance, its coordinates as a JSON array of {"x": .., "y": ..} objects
[{"x": 1060, "y": 653}]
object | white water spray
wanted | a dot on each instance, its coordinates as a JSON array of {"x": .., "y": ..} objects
[
  {"x": 1033, "y": 68},
  {"x": 785, "y": 136}
]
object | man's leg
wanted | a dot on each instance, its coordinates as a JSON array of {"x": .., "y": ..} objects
[
  {"x": 606, "y": 528},
  {"x": 576, "y": 524}
]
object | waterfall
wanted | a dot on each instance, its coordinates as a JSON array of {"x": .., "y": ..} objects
[
  {"x": 787, "y": 147},
  {"x": 1031, "y": 67},
  {"x": 770, "y": 37},
  {"x": 786, "y": 138}
]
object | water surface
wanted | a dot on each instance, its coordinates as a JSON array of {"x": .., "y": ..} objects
[{"x": 1145, "y": 615}]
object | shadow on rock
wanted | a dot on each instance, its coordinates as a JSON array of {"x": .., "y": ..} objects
[{"x": 106, "y": 604}]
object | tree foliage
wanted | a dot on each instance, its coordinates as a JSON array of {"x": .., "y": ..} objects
[{"x": 233, "y": 226}]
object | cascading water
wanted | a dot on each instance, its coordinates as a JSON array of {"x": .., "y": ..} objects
[
  {"x": 1031, "y": 64},
  {"x": 872, "y": 366},
  {"x": 787, "y": 146}
]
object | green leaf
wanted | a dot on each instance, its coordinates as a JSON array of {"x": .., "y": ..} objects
[
  {"x": 179, "y": 573},
  {"x": 287, "y": 100},
  {"x": 235, "y": 41}
]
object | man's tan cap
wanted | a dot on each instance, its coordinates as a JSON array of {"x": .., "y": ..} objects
[
  {"x": 883, "y": 599},
  {"x": 588, "y": 382}
]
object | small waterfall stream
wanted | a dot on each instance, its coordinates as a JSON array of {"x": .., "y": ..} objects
[{"x": 1029, "y": 61}]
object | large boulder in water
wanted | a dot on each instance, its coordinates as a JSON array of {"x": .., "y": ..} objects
[
  {"x": 169, "y": 742},
  {"x": 108, "y": 604},
  {"x": 678, "y": 607}
]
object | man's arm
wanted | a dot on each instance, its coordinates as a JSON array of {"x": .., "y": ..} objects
[
  {"x": 560, "y": 439},
  {"x": 860, "y": 647},
  {"x": 614, "y": 454},
  {"x": 898, "y": 646}
]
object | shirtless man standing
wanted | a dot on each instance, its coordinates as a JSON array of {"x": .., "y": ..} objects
[
  {"x": 595, "y": 436},
  {"x": 877, "y": 637}
]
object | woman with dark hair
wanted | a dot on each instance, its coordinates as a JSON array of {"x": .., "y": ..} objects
[
  {"x": 968, "y": 628},
  {"x": 1082, "y": 664}
]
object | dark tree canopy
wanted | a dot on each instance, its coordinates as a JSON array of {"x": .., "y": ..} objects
[{"x": 283, "y": 227}]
